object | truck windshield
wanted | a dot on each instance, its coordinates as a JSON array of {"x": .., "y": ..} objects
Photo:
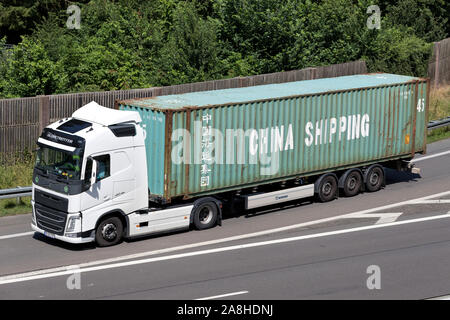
[{"x": 63, "y": 163}]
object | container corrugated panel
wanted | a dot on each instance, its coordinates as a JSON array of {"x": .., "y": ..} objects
[
  {"x": 154, "y": 123},
  {"x": 213, "y": 141}
]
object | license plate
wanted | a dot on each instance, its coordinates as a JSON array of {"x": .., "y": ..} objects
[{"x": 48, "y": 234}]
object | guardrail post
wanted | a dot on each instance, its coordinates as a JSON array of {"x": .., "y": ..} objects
[
  {"x": 18, "y": 199},
  {"x": 44, "y": 112}
]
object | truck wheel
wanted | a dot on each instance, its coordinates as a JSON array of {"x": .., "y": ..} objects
[
  {"x": 204, "y": 214},
  {"x": 109, "y": 232},
  {"x": 327, "y": 188},
  {"x": 352, "y": 183},
  {"x": 374, "y": 178}
]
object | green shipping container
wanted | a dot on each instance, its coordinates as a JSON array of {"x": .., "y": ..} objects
[{"x": 214, "y": 141}]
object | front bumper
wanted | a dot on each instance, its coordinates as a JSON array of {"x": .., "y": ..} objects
[
  {"x": 77, "y": 239},
  {"x": 76, "y": 236}
]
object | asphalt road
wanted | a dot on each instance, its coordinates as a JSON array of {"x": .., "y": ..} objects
[
  {"x": 329, "y": 267},
  {"x": 413, "y": 258}
]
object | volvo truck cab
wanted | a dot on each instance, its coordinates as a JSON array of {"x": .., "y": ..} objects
[{"x": 90, "y": 170}]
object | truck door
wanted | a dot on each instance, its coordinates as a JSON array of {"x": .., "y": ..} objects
[{"x": 100, "y": 192}]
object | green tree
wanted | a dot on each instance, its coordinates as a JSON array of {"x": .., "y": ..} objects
[
  {"x": 126, "y": 44},
  {"x": 257, "y": 33},
  {"x": 19, "y": 17},
  {"x": 328, "y": 32},
  {"x": 191, "y": 50},
  {"x": 427, "y": 19},
  {"x": 399, "y": 51},
  {"x": 30, "y": 72}
]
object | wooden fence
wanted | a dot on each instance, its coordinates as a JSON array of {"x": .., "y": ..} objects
[
  {"x": 439, "y": 66},
  {"x": 22, "y": 119}
]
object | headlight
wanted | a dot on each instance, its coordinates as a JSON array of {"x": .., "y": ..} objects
[{"x": 74, "y": 224}]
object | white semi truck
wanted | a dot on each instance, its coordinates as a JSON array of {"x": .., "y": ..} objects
[{"x": 171, "y": 162}]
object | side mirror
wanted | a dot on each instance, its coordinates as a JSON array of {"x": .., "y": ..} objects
[{"x": 94, "y": 172}]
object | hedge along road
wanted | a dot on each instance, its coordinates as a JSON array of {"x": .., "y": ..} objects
[{"x": 22, "y": 252}]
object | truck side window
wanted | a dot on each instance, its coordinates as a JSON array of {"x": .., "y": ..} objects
[{"x": 103, "y": 169}]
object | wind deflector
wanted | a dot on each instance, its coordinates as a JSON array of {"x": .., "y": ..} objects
[{"x": 123, "y": 129}]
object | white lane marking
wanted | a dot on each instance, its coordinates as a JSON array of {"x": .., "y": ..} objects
[
  {"x": 223, "y": 295},
  {"x": 223, "y": 249},
  {"x": 439, "y": 201},
  {"x": 212, "y": 242},
  {"x": 384, "y": 217},
  {"x": 431, "y": 156},
  {"x": 446, "y": 297},
  {"x": 15, "y": 235},
  {"x": 398, "y": 204}
]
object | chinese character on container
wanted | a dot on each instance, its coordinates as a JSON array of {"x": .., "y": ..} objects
[{"x": 206, "y": 150}]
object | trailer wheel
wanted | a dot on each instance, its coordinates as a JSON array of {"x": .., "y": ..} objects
[
  {"x": 327, "y": 188},
  {"x": 205, "y": 213},
  {"x": 352, "y": 183},
  {"x": 109, "y": 232},
  {"x": 374, "y": 178}
]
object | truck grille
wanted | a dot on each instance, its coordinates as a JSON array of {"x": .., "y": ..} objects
[
  {"x": 50, "y": 220},
  {"x": 51, "y": 201}
]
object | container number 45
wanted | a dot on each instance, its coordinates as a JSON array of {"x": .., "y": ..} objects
[{"x": 420, "y": 105}]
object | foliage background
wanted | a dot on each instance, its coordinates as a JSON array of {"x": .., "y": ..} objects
[{"x": 126, "y": 44}]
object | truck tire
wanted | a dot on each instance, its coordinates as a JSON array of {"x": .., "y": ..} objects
[
  {"x": 326, "y": 188},
  {"x": 351, "y": 183},
  {"x": 204, "y": 214},
  {"x": 109, "y": 232},
  {"x": 374, "y": 178}
]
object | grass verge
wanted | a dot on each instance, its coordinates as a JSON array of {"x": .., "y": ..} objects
[
  {"x": 439, "y": 103},
  {"x": 14, "y": 174},
  {"x": 438, "y": 134},
  {"x": 10, "y": 207},
  {"x": 439, "y": 109}
]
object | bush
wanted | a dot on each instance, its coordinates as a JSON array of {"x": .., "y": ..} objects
[
  {"x": 398, "y": 51},
  {"x": 28, "y": 71},
  {"x": 190, "y": 53}
]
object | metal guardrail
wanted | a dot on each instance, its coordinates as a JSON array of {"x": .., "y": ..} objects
[
  {"x": 26, "y": 191},
  {"x": 435, "y": 124},
  {"x": 15, "y": 193}
]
